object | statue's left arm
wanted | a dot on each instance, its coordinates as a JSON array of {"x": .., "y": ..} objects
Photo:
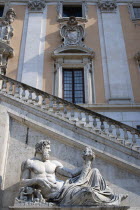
[{"x": 60, "y": 169}]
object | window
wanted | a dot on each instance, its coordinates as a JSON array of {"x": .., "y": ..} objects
[
  {"x": 138, "y": 127},
  {"x": 72, "y": 10},
  {"x": 1, "y": 10},
  {"x": 68, "y": 9},
  {"x": 136, "y": 10},
  {"x": 73, "y": 85}
]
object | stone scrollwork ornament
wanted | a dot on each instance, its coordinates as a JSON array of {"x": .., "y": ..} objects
[
  {"x": 36, "y": 5},
  {"x": 107, "y": 6},
  {"x": 72, "y": 33},
  {"x": 85, "y": 185}
]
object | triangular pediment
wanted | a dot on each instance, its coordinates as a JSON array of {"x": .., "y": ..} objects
[{"x": 66, "y": 51}]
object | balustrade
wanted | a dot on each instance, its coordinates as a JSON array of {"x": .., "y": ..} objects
[{"x": 94, "y": 122}]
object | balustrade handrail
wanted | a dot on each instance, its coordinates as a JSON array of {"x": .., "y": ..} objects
[{"x": 72, "y": 105}]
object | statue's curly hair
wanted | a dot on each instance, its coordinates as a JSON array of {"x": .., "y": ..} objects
[{"x": 41, "y": 145}]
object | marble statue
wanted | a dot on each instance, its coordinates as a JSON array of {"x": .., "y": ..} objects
[{"x": 84, "y": 186}]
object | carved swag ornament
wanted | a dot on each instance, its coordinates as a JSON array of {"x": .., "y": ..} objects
[
  {"x": 72, "y": 33},
  {"x": 36, "y": 5},
  {"x": 6, "y": 33},
  {"x": 84, "y": 186},
  {"x": 107, "y": 6}
]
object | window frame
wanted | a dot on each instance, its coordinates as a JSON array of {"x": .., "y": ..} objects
[
  {"x": 84, "y": 10},
  {"x": 73, "y": 90},
  {"x": 131, "y": 11}
]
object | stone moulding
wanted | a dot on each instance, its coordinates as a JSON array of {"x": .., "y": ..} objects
[
  {"x": 36, "y": 5},
  {"x": 107, "y": 6}
]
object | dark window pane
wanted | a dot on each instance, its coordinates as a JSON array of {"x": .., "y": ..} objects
[
  {"x": 78, "y": 100},
  {"x": 136, "y": 12},
  {"x": 72, "y": 10},
  {"x": 1, "y": 10},
  {"x": 78, "y": 86},
  {"x": 69, "y": 99},
  {"x": 78, "y": 93},
  {"x": 68, "y": 86},
  {"x": 67, "y": 94},
  {"x": 73, "y": 85}
]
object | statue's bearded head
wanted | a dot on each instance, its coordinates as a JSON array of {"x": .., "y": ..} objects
[
  {"x": 88, "y": 154},
  {"x": 43, "y": 148}
]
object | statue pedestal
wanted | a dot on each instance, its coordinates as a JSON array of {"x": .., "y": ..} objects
[{"x": 68, "y": 208}]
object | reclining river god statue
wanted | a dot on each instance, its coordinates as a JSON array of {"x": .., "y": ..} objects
[{"x": 84, "y": 186}]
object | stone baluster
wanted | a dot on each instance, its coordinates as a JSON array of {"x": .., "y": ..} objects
[
  {"x": 88, "y": 125},
  {"x": 118, "y": 134},
  {"x": 36, "y": 100},
  {"x": 65, "y": 111},
  {"x": 102, "y": 125},
  {"x": 94, "y": 122},
  {"x": 72, "y": 115},
  {"x": 110, "y": 130},
  {"x": 80, "y": 116},
  {"x": 17, "y": 91},
  {"x": 126, "y": 142},
  {"x": 30, "y": 97},
  {"x": 23, "y": 94},
  {"x": 10, "y": 92},
  {"x": 125, "y": 134},
  {"x": 51, "y": 104},
  {"x": 58, "y": 107},
  {"x": 44, "y": 103},
  {"x": 4, "y": 86},
  {"x": 133, "y": 138}
]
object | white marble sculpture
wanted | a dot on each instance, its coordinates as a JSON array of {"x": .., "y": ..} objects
[{"x": 85, "y": 185}]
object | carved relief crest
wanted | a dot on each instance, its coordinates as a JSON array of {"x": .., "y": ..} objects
[{"x": 72, "y": 33}]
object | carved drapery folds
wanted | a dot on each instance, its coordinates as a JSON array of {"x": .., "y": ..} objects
[
  {"x": 6, "y": 33},
  {"x": 107, "y": 6},
  {"x": 36, "y": 5}
]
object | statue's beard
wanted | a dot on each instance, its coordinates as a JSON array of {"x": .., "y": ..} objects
[{"x": 45, "y": 156}]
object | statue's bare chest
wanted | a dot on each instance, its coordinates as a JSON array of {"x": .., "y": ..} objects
[{"x": 39, "y": 167}]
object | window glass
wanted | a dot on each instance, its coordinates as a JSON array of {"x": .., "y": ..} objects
[
  {"x": 73, "y": 85},
  {"x": 1, "y": 10},
  {"x": 136, "y": 11},
  {"x": 72, "y": 10}
]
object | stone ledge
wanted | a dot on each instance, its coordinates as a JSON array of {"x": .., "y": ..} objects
[{"x": 69, "y": 208}]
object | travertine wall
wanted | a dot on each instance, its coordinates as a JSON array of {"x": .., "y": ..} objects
[{"x": 21, "y": 147}]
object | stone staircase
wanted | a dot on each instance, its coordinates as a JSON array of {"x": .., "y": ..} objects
[{"x": 86, "y": 119}]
